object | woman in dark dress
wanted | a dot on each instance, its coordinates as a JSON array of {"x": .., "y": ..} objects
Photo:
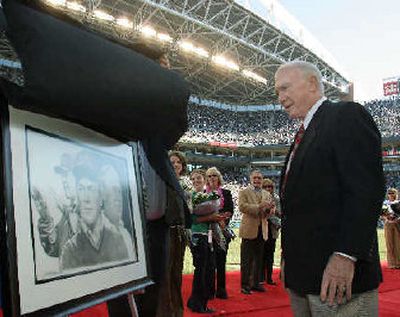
[{"x": 214, "y": 183}]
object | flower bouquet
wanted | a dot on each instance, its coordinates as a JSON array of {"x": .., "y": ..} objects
[
  {"x": 276, "y": 221},
  {"x": 391, "y": 212},
  {"x": 205, "y": 203}
]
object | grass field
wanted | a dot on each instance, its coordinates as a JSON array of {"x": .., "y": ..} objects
[{"x": 233, "y": 261}]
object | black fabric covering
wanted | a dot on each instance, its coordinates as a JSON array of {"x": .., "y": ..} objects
[
  {"x": 74, "y": 74},
  {"x": 2, "y": 20}
]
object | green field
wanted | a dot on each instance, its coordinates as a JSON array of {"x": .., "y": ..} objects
[{"x": 233, "y": 261}]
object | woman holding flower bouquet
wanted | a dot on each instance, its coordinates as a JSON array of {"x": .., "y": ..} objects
[
  {"x": 214, "y": 184},
  {"x": 205, "y": 214},
  {"x": 392, "y": 232}
]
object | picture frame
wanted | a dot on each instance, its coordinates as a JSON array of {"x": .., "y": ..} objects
[{"x": 73, "y": 222}]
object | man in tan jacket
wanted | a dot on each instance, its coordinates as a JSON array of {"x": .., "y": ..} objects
[{"x": 254, "y": 204}]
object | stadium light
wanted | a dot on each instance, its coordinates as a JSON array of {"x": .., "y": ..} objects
[
  {"x": 75, "y": 6},
  {"x": 254, "y": 76},
  {"x": 164, "y": 37},
  {"x": 186, "y": 46},
  {"x": 222, "y": 61},
  {"x": 201, "y": 52},
  {"x": 189, "y": 47},
  {"x": 124, "y": 22},
  {"x": 102, "y": 15},
  {"x": 57, "y": 3},
  {"x": 148, "y": 31}
]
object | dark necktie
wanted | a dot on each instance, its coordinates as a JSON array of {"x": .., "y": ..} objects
[{"x": 297, "y": 140}]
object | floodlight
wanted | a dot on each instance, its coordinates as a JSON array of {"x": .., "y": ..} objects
[
  {"x": 222, "y": 61},
  {"x": 163, "y": 37},
  {"x": 148, "y": 31},
  {"x": 201, "y": 52},
  {"x": 102, "y": 15},
  {"x": 58, "y": 3},
  {"x": 252, "y": 75},
  {"x": 75, "y": 6},
  {"x": 124, "y": 22},
  {"x": 187, "y": 46}
]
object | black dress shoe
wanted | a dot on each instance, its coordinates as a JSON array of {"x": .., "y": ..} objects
[
  {"x": 259, "y": 288},
  {"x": 221, "y": 294},
  {"x": 204, "y": 310},
  {"x": 271, "y": 282},
  {"x": 246, "y": 291}
]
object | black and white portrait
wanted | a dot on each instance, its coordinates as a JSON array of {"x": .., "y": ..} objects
[
  {"x": 75, "y": 204},
  {"x": 80, "y": 207}
]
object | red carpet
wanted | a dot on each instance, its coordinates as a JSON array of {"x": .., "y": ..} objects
[{"x": 273, "y": 303}]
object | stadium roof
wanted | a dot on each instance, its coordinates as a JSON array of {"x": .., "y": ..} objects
[{"x": 227, "y": 52}]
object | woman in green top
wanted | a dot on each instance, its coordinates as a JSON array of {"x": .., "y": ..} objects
[{"x": 202, "y": 251}]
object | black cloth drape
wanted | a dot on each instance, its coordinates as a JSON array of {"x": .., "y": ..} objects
[{"x": 74, "y": 74}]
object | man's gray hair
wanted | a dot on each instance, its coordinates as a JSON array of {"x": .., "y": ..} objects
[
  {"x": 308, "y": 69},
  {"x": 256, "y": 171}
]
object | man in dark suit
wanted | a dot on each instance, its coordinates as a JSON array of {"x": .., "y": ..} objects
[{"x": 332, "y": 188}]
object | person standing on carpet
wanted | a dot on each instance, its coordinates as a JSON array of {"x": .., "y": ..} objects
[
  {"x": 274, "y": 225},
  {"x": 214, "y": 183},
  {"x": 332, "y": 188},
  {"x": 392, "y": 229},
  {"x": 255, "y": 205},
  {"x": 202, "y": 250},
  {"x": 170, "y": 301}
]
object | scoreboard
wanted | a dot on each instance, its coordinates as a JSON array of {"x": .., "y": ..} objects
[{"x": 391, "y": 86}]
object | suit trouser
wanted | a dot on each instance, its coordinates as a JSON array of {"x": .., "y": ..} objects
[
  {"x": 361, "y": 305},
  {"x": 220, "y": 266},
  {"x": 157, "y": 238},
  {"x": 269, "y": 251},
  {"x": 251, "y": 260},
  {"x": 203, "y": 262},
  {"x": 392, "y": 238}
]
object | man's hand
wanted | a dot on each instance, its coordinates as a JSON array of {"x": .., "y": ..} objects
[
  {"x": 337, "y": 279},
  {"x": 265, "y": 207}
]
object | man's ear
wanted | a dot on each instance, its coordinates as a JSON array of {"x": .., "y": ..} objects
[{"x": 313, "y": 83}]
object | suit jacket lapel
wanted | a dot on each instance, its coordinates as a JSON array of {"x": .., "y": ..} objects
[
  {"x": 306, "y": 141},
  {"x": 283, "y": 170}
]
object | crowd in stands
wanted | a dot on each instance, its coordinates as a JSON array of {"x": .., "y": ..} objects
[
  {"x": 392, "y": 179},
  {"x": 386, "y": 114},
  {"x": 258, "y": 128},
  {"x": 250, "y": 128},
  {"x": 235, "y": 181}
]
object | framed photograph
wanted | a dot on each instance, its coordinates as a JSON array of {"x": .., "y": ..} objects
[{"x": 73, "y": 208}]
